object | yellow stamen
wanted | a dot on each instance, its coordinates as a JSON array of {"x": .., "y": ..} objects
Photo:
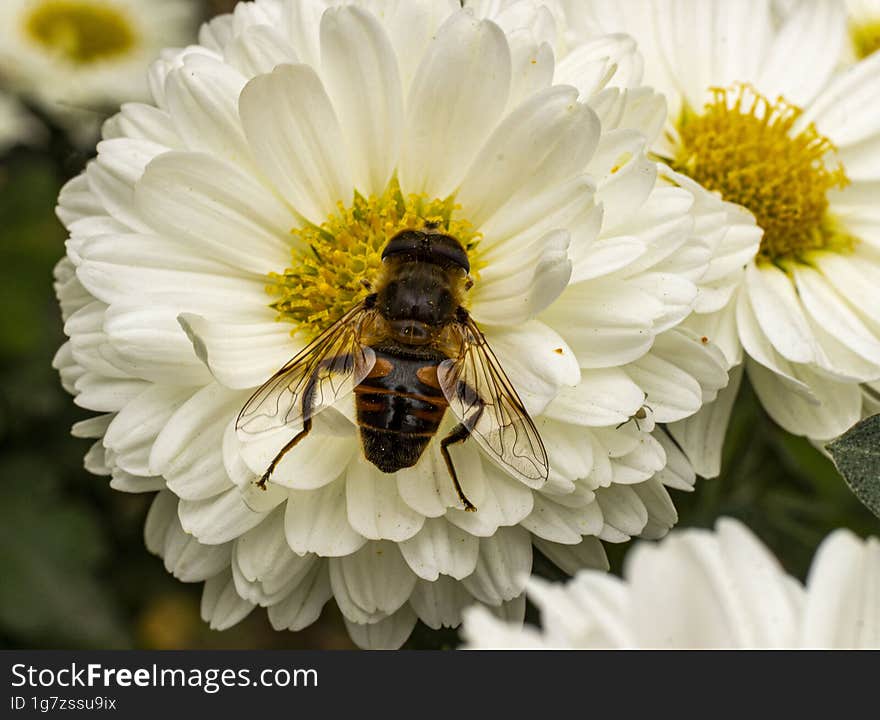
[
  {"x": 83, "y": 31},
  {"x": 335, "y": 264},
  {"x": 744, "y": 147}
]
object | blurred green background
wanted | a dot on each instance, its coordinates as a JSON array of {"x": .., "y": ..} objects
[{"x": 74, "y": 572}]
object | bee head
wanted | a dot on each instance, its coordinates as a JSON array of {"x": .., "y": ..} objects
[{"x": 428, "y": 245}]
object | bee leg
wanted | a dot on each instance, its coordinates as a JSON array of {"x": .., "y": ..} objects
[
  {"x": 307, "y": 407},
  {"x": 460, "y": 433},
  {"x": 307, "y": 426}
]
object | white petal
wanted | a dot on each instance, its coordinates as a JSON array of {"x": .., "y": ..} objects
[
  {"x": 303, "y": 606},
  {"x": 515, "y": 293},
  {"x": 316, "y": 521},
  {"x": 602, "y": 398},
  {"x": 503, "y": 567},
  {"x": 809, "y": 25},
  {"x": 505, "y": 502},
  {"x": 360, "y": 69},
  {"x": 779, "y": 312},
  {"x": 103, "y": 394},
  {"x": 537, "y": 361},
  {"x": 831, "y": 312},
  {"x": 624, "y": 513},
  {"x": 413, "y": 25},
  {"x": 606, "y": 323},
  {"x": 218, "y": 519},
  {"x": 375, "y": 508},
  {"x": 711, "y": 591},
  {"x": 216, "y": 209},
  {"x": 836, "y": 406},
  {"x": 319, "y": 458},
  {"x": 589, "y": 553},
  {"x": 189, "y": 560},
  {"x": 112, "y": 177},
  {"x": 441, "y": 548},
  {"x": 386, "y": 634},
  {"x": 590, "y": 65},
  {"x": 186, "y": 451},
  {"x": 372, "y": 582},
  {"x": 843, "y": 595},
  {"x": 662, "y": 515},
  {"x": 701, "y": 436},
  {"x": 202, "y": 100},
  {"x": 466, "y": 66},
  {"x": 439, "y": 603},
  {"x": 133, "y": 431},
  {"x": 427, "y": 488},
  {"x": 259, "y": 49},
  {"x": 160, "y": 516},
  {"x": 296, "y": 140},
  {"x": 147, "y": 342},
  {"x": 839, "y": 111},
  {"x": 546, "y": 141},
  {"x": 221, "y": 605},
  {"x": 560, "y": 524},
  {"x": 240, "y": 355}
]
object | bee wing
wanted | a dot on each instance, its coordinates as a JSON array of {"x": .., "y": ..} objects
[
  {"x": 503, "y": 429},
  {"x": 328, "y": 369}
]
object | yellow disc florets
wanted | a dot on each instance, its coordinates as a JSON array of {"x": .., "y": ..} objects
[
  {"x": 865, "y": 38},
  {"x": 334, "y": 264},
  {"x": 82, "y": 31},
  {"x": 745, "y": 147}
]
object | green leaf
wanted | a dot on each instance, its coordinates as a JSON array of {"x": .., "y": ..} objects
[{"x": 857, "y": 455}]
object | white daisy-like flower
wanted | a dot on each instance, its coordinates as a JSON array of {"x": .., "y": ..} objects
[
  {"x": 699, "y": 589},
  {"x": 79, "y": 55},
  {"x": 759, "y": 117},
  {"x": 221, "y": 229},
  {"x": 17, "y": 125}
]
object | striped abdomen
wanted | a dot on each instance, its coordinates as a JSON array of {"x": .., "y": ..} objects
[{"x": 399, "y": 408}]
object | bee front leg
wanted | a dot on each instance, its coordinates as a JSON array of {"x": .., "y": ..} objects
[{"x": 459, "y": 434}]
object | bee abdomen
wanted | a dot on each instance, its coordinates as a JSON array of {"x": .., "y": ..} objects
[
  {"x": 392, "y": 451},
  {"x": 398, "y": 413}
]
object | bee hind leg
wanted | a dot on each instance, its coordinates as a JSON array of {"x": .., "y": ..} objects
[
  {"x": 307, "y": 426},
  {"x": 459, "y": 434}
]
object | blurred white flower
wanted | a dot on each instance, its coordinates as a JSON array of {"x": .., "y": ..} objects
[
  {"x": 77, "y": 57},
  {"x": 17, "y": 125},
  {"x": 698, "y": 589},
  {"x": 279, "y": 156},
  {"x": 760, "y": 117}
]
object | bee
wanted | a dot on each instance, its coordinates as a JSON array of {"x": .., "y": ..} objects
[{"x": 408, "y": 352}]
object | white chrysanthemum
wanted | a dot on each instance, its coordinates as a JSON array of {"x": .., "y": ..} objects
[
  {"x": 280, "y": 155},
  {"x": 698, "y": 589},
  {"x": 74, "y": 55},
  {"x": 16, "y": 124},
  {"x": 758, "y": 115}
]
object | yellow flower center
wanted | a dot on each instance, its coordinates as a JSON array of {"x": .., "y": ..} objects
[
  {"x": 336, "y": 263},
  {"x": 744, "y": 147},
  {"x": 83, "y": 31},
  {"x": 865, "y": 37}
]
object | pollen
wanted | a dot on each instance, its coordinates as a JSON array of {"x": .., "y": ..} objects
[
  {"x": 82, "y": 31},
  {"x": 748, "y": 149},
  {"x": 336, "y": 264},
  {"x": 865, "y": 38}
]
